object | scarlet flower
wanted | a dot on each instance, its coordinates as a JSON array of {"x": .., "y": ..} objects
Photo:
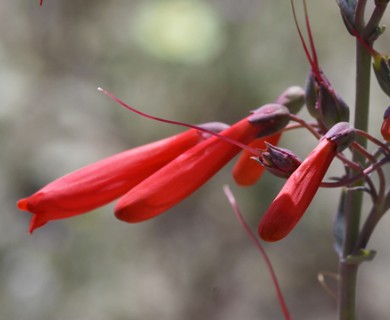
[
  {"x": 296, "y": 195},
  {"x": 104, "y": 181},
  {"x": 247, "y": 171},
  {"x": 385, "y": 129},
  {"x": 186, "y": 173}
]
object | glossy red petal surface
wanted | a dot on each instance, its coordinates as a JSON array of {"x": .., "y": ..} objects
[
  {"x": 181, "y": 177},
  {"x": 246, "y": 171},
  {"x": 106, "y": 180},
  {"x": 296, "y": 195}
]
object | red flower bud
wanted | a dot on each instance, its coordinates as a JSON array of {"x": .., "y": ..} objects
[
  {"x": 296, "y": 195},
  {"x": 385, "y": 129}
]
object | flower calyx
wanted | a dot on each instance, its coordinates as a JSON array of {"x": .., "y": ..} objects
[
  {"x": 272, "y": 117},
  {"x": 278, "y": 161},
  {"x": 342, "y": 134}
]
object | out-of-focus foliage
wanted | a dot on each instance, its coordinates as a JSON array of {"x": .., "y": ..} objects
[
  {"x": 190, "y": 61},
  {"x": 179, "y": 31}
]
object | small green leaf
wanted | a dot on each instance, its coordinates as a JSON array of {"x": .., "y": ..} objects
[{"x": 363, "y": 255}]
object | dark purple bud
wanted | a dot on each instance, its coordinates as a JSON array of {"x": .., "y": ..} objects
[
  {"x": 342, "y": 134},
  {"x": 292, "y": 98},
  {"x": 272, "y": 117},
  {"x": 279, "y": 161},
  {"x": 311, "y": 95},
  {"x": 332, "y": 107},
  {"x": 348, "y": 8}
]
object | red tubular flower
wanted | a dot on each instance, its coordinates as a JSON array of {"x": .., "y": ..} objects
[
  {"x": 104, "y": 181},
  {"x": 247, "y": 171},
  {"x": 296, "y": 195},
  {"x": 385, "y": 129},
  {"x": 185, "y": 174}
]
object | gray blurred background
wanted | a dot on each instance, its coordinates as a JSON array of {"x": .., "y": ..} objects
[{"x": 189, "y": 61}]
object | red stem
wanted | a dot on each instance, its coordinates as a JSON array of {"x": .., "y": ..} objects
[
  {"x": 254, "y": 239},
  {"x": 183, "y": 124}
]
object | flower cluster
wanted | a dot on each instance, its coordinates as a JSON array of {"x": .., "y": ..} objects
[
  {"x": 148, "y": 180},
  {"x": 297, "y": 193},
  {"x": 152, "y": 178}
]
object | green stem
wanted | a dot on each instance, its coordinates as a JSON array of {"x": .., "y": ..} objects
[
  {"x": 348, "y": 272},
  {"x": 347, "y": 290}
]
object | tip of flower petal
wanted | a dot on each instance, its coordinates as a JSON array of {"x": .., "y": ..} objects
[
  {"x": 36, "y": 222},
  {"x": 22, "y": 204},
  {"x": 267, "y": 236}
]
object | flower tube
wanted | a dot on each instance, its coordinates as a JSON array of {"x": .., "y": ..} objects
[
  {"x": 299, "y": 190},
  {"x": 104, "y": 181},
  {"x": 246, "y": 171},
  {"x": 186, "y": 173}
]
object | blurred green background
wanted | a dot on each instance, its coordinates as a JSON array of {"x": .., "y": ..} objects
[{"x": 191, "y": 61}]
